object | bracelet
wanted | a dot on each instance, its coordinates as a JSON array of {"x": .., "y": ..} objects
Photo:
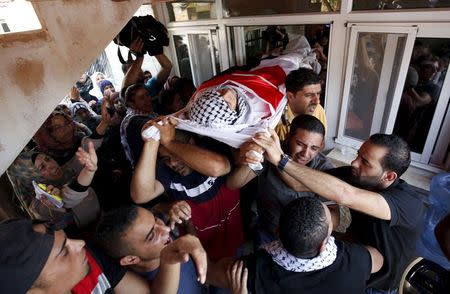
[{"x": 284, "y": 160}]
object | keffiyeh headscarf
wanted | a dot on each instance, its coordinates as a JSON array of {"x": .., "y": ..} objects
[
  {"x": 291, "y": 263},
  {"x": 211, "y": 110}
]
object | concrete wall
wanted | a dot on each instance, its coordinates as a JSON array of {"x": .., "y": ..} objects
[{"x": 38, "y": 68}]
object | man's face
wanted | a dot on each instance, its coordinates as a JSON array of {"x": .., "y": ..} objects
[
  {"x": 142, "y": 100},
  {"x": 147, "y": 236},
  {"x": 366, "y": 168},
  {"x": 66, "y": 266},
  {"x": 305, "y": 100},
  {"x": 174, "y": 162},
  {"x": 48, "y": 167},
  {"x": 230, "y": 97},
  {"x": 304, "y": 146}
]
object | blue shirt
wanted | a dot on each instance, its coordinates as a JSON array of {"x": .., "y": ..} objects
[{"x": 188, "y": 279}]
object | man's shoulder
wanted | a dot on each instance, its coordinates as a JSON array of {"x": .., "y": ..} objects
[{"x": 321, "y": 162}]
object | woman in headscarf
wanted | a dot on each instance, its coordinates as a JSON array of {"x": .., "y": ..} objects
[
  {"x": 70, "y": 182},
  {"x": 59, "y": 136}
]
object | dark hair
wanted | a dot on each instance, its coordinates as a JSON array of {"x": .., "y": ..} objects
[
  {"x": 303, "y": 227},
  {"x": 308, "y": 123},
  {"x": 112, "y": 226},
  {"x": 131, "y": 91},
  {"x": 299, "y": 78},
  {"x": 398, "y": 156}
]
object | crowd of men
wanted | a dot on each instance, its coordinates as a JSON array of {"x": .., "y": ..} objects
[{"x": 170, "y": 216}]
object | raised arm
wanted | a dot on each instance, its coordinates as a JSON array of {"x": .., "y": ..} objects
[
  {"x": 166, "y": 67},
  {"x": 144, "y": 185},
  {"x": 134, "y": 72},
  {"x": 89, "y": 161},
  {"x": 242, "y": 173},
  {"x": 325, "y": 185},
  {"x": 106, "y": 119},
  {"x": 204, "y": 161}
]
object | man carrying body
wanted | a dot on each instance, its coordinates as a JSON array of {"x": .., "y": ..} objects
[
  {"x": 303, "y": 144},
  {"x": 189, "y": 172},
  {"x": 386, "y": 212},
  {"x": 138, "y": 98},
  {"x": 303, "y": 91},
  {"x": 305, "y": 258},
  {"x": 36, "y": 260}
]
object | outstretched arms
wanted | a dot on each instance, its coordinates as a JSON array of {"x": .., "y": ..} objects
[{"x": 325, "y": 185}]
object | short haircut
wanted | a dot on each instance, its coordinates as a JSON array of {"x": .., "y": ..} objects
[
  {"x": 299, "y": 78},
  {"x": 308, "y": 123},
  {"x": 398, "y": 156},
  {"x": 130, "y": 92},
  {"x": 303, "y": 227},
  {"x": 112, "y": 226}
]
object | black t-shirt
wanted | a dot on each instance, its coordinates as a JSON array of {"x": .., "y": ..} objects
[
  {"x": 395, "y": 239},
  {"x": 111, "y": 268},
  {"x": 348, "y": 273}
]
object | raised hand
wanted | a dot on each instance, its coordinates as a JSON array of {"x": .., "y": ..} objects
[
  {"x": 136, "y": 46},
  {"x": 179, "y": 250},
  {"x": 248, "y": 153},
  {"x": 166, "y": 127},
  {"x": 271, "y": 146},
  {"x": 237, "y": 278},
  {"x": 179, "y": 212},
  {"x": 88, "y": 158}
]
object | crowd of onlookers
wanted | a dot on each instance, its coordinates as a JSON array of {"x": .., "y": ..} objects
[{"x": 178, "y": 212}]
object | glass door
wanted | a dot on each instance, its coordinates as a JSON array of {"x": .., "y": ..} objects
[
  {"x": 376, "y": 69},
  {"x": 197, "y": 54}
]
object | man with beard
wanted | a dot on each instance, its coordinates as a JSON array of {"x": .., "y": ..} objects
[{"x": 387, "y": 213}]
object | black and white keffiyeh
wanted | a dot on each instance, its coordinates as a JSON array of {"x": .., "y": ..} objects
[
  {"x": 211, "y": 110},
  {"x": 291, "y": 263}
]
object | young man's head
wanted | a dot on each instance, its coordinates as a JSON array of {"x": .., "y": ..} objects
[
  {"x": 305, "y": 138},
  {"x": 303, "y": 91},
  {"x": 133, "y": 235},
  {"x": 305, "y": 225},
  {"x": 172, "y": 160},
  {"x": 138, "y": 98},
  {"x": 39, "y": 262},
  {"x": 380, "y": 161}
]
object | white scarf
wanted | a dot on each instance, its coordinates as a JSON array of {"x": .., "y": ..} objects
[{"x": 294, "y": 264}]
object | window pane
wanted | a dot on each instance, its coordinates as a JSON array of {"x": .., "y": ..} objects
[
  {"x": 398, "y": 4},
  {"x": 191, "y": 10},
  {"x": 201, "y": 57},
  {"x": 181, "y": 47},
  {"x": 375, "y": 72},
  {"x": 250, "y": 44},
  {"x": 17, "y": 16},
  {"x": 233, "y": 8},
  {"x": 426, "y": 74}
]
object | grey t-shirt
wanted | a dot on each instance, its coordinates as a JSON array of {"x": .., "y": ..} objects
[{"x": 273, "y": 194}]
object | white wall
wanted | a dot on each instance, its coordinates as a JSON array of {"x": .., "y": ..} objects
[{"x": 38, "y": 68}]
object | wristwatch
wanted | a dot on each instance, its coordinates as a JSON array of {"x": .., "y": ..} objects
[{"x": 284, "y": 160}]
